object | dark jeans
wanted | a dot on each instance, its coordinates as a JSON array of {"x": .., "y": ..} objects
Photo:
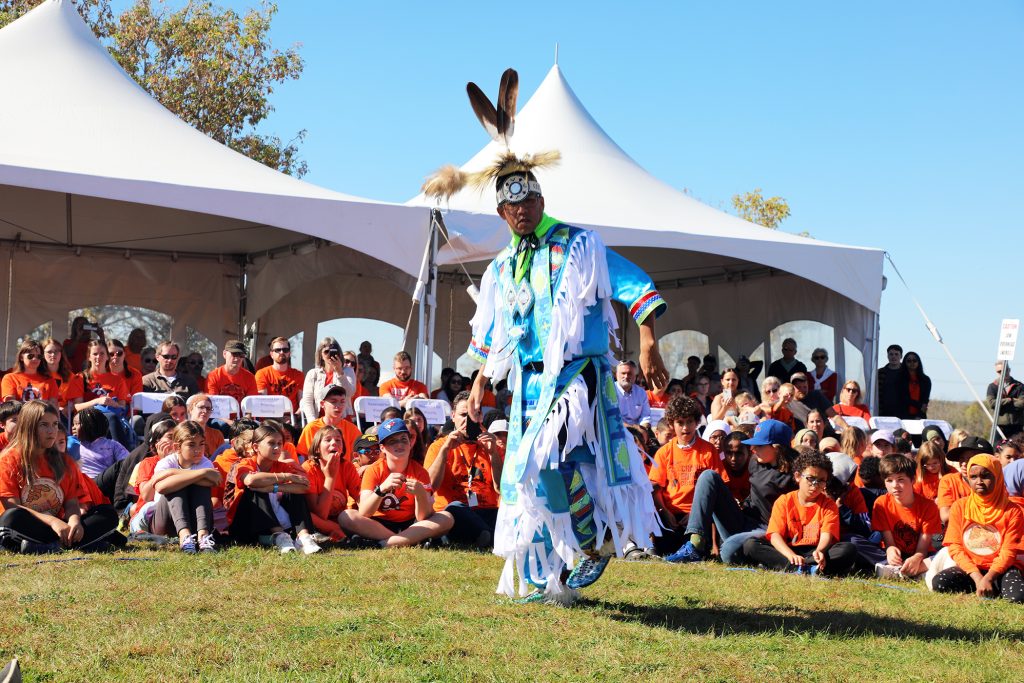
[
  {"x": 839, "y": 557},
  {"x": 471, "y": 522},
  {"x": 255, "y": 517},
  {"x": 100, "y": 524},
  {"x": 955, "y": 580},
  {"x": 713, "y": 502},
  {"x": 188, "y": 508}
]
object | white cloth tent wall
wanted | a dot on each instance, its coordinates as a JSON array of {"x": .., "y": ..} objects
[
  {"x": 721, "y": 275},
  {"x": 91, "y": 164}
]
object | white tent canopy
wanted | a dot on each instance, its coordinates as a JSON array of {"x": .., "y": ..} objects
[
  {"x": 121, "y": 202},
  {"x": 709, "y": 264}
]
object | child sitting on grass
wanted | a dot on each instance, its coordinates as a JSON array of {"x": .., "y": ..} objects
[
  {"x": 931, "y": 467},
  {"x": 804, "y": 525},
  {"x": 983, "y": 536},
  {"x": 674, "y": 473},
  {"x": 8, "y": 421},
  {"x": 953, "y": 487},
  {"x": 183, "y": 481},
  {"x": 909, "y": 523}
]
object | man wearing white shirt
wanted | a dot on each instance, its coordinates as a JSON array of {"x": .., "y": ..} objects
[{"x": 633, "y": 403}]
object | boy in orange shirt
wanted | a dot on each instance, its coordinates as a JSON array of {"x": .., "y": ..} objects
[
  {"x": 909, "y": 523},
  {"x": 674, "y": 473},
  {"x": 396, "y": 507},
  {"x": 805, "y": 525},
  {"x": 403, "y": 388},
  {"x": 953, "y": 487},
  {"x": 332, "y": 402}
]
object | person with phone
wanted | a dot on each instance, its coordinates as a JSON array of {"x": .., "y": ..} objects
[
  {"x": 723, "y": 406},
  {"x": 465, "y": 468}
]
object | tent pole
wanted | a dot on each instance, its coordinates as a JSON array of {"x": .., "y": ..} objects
[
  {"x": 870, "y": 363},
  {"x": 243, "y": 296},
  {"x": 10, "y": 300},
  {"x": 428, "y": 352}
]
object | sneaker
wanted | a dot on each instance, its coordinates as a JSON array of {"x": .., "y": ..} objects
[
  {"x": 884, "y": 570},
  {"x": 188, "y": 545},
  {"x": 307, "y": 545},
  {"x": 321, "y": 539},
  {"x": 32, "y": 548},
  {"x": 686, "y": 554},
  {"x": 587, "y": 572},
  {"x": 283, "y": 542},
  {"x": 207, "y": 544}
]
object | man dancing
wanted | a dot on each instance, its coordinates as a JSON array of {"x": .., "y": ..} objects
[{"x": 573, "y": 490}]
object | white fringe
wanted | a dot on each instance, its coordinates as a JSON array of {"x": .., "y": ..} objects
[
  {"x": 489, "y": 317},
  {"x": 585, "y": 280}
]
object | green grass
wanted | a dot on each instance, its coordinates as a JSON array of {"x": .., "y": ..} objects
[{"x": 421, "y": 615}]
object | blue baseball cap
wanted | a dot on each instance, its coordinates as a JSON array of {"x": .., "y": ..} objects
[
  {"x": 390, "y": 427},
  {"x": 770, "y": 432}
]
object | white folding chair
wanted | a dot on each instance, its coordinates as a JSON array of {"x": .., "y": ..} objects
[
  {"x": 369, "y": 408},
  {"x": 914, "y": 427},
  {"x": 437, "y": 411},
  {"x": 853, "y": 421},
  {"x": 890, "y": 423},
  {"x": 946, "y": 428},
  {"x": 656, "y": 415},
  {"x": 224, "y": 407},
  {"x": 147, "y": 402},
  {"x": 262, "y": 407}
]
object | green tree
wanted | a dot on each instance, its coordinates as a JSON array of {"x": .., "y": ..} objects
[
  {"x": 213, "y": 67},
  {"x": 751, "y": 206}
]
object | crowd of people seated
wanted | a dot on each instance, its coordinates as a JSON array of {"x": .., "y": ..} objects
[{"x": 773, "y": 472}]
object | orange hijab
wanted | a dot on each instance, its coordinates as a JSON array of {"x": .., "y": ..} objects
[{"x": 987, "y": 509}]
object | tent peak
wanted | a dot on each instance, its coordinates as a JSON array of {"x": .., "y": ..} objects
[{"x": 556, "y": 53}]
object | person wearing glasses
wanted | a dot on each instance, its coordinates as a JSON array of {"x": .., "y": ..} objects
[
  {"x": 200, "y": 408},
  {"x": 850, "y": 402},
  {"x": 30, "y": 379},
  {"x": 166, "y": 379},
  {"x": 824, "y": 378},
  {"x": 118, "y": 365},
  {"x": 194, "y": 367},
  {"x": 804, "y": 526},
  {"x": 232, "y": 379},
  {"x": 332, "y": 369},
  {"x": 279, "y": 378}
]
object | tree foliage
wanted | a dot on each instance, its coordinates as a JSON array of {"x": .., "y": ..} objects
[
  {"x": 213, "y": 67},
  {"x": 770, "y": 212}
]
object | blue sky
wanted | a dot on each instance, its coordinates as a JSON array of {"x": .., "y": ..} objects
[{"x": 891, "y": 125}]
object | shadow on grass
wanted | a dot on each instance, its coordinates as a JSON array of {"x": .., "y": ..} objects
[{"x": 727, "y": 621}]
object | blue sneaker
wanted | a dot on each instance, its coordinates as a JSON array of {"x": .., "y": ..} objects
[
  {"x": 686, "y": 554},
  {"x": 587, "y": 572},
  {"x": 189, "y": 545}
]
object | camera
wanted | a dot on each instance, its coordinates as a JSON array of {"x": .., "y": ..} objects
[
  {"x": 473, "y": 430},
  {"x": 90, "y": 327}
]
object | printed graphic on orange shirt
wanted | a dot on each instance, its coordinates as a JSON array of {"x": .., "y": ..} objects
[
  {"x": 284, "y": 386},
  {"x": 43, "y": 495},
  {"x": 810, "y": 534},
  {"x": 392, "y": 502},
  {"x": 30, "y": 393},
  {"x": 905, "y": 535},
  {"x": 982, "y": 539}
]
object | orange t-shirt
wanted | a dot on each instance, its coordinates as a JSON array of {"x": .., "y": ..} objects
[
  {"x": 22, "y": 386},
  {"x": 657, "y": 400},
  {"x": 347, "y": 484},
  {"x": 928, "y": 486},
  {"x": 223, "y": 464},
  {"x": 858, "y": 410},
  {"x": 906, "y": 524},
  {"x": 349, "y": 434},
  {"x": 133, "y": 360},
  {"x": 5, "y": 440},
  {"x": 243, "y": 468},
  {"x": 952, "y": 488},
  {"x": 220, "y": 383},
  {"x": 853, "y": 499},
  {"x": 739, "y": 484},
  {"x": 213, "y": 438},
  {"x": 91, "y": 494},
  {"x": 456, "y": 485},
  {"x": 44, "y": 494},
  {"x": 399, "y": 505},
  {"x": 802, "y": 525},
  {"x": 402, "y": 390},
  {"x": 134, "y": 381},
  {"x": 276, "y": 383},
  {"x": 102, "y": 384},
  {"x": 144, "y": 473},
  {"x": 676, "y": 469},
  {"x": 984, "y": 547}
]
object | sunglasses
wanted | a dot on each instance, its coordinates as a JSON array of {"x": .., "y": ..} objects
[
  {"x": 852, "y": 390},
  {"x": 280, "y": 350},
  {"x": 814, "y": 482},
  {"x": 166, "y": 357},
  {"x": 819, "y": 357},
  {"x": 33, "y": 356},
  {"x": 237, "y": 354},
  {"x": 116, "y": 354}
]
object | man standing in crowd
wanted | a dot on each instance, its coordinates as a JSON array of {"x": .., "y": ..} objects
[
  {"x": 232, "y": 379},
  {"x": 889, "y": 383},
  {"x": 788, "y": 365},
  {"x": 279, "y": 378},
  {"x": 1011, "y": 403},
  {"x": 690, "y": 380},
  {"x": 633, "y": 403},
  {"x": 166, "y": 379},
  {"x": 805, "y": 401},
  {"x": 403, "y": 388}
]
